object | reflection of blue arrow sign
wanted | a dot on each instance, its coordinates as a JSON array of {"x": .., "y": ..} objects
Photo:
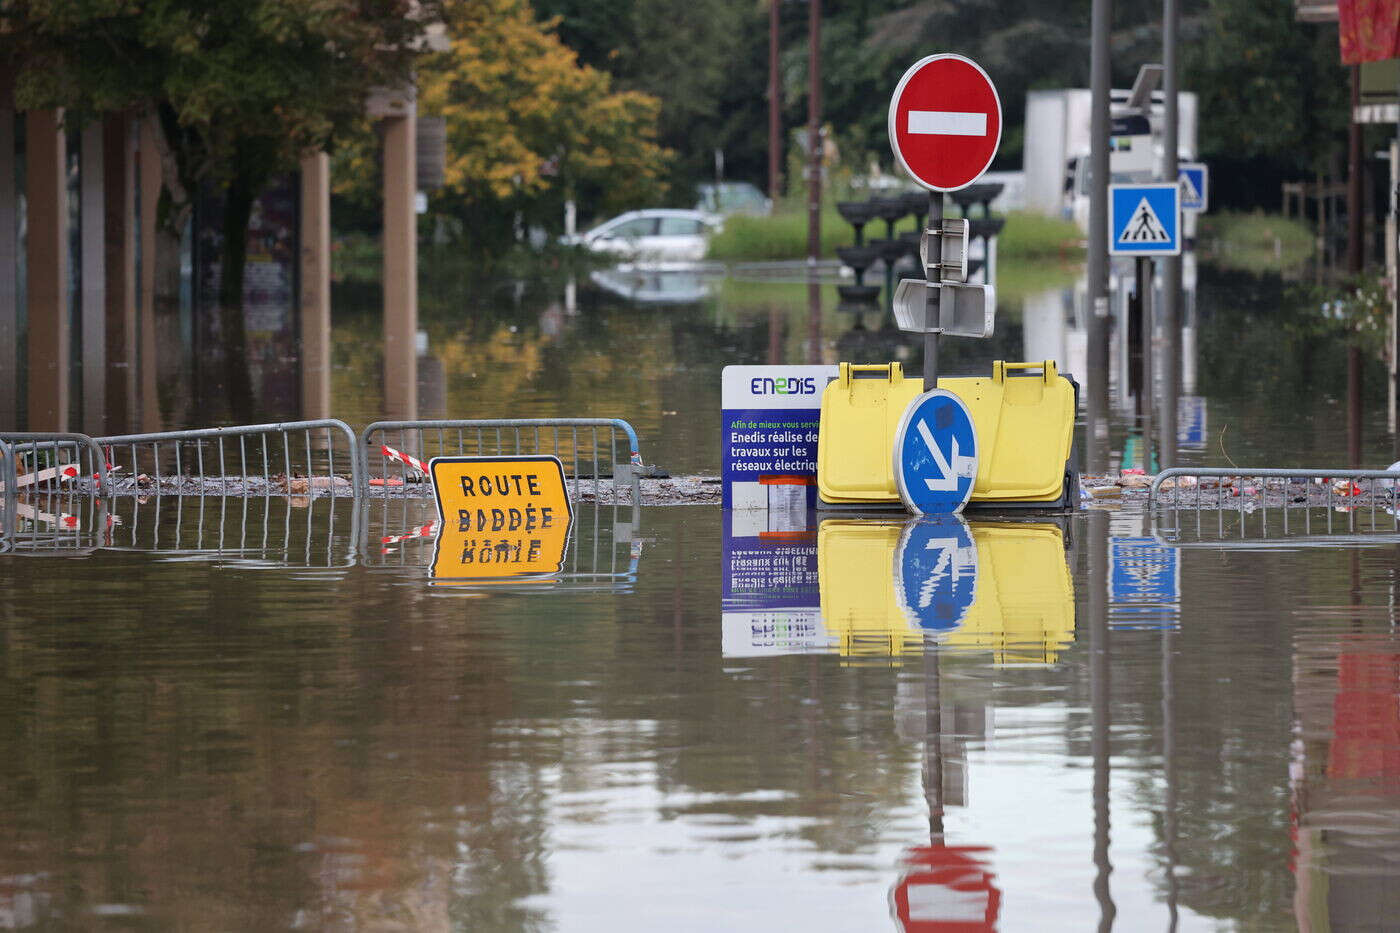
[
  {"x": 935, "y": 454},
  {"x": 936, "y": 571}
]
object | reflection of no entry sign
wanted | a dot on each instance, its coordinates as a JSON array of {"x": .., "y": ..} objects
[{"x": 945, "y": 122}]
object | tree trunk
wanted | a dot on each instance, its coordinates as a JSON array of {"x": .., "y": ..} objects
[
  {"x": 238, "y": 385},
  {"x": 172, "y": 362}
]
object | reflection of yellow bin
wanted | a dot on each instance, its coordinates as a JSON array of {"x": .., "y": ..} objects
[
  {"x": 1023, "y": 609},
  {"x": 1025, "y": 429},
  {"x": 855, "y": 569}
]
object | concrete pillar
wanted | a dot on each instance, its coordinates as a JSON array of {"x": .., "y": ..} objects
[
  {"x": 150, "y": 178},
  {"x": 9, "y": 270},
  {"x": 316, "y": 286},
  {"x": 93, "y": 303},
  {"x": 47, "y": 254},
  {"x": 119, "y": 222},
  {"x": 400, "y": 268}
]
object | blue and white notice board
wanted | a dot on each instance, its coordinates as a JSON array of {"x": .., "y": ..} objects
[
  {"x": 768, "y": 447},
  {"x": 1194, "y": 178},
  {"x": 1144, "y": 220}
]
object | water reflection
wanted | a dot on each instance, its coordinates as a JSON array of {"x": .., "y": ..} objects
[
  {"x": 877, "y": 589},
  {"x": 1344, "y": 779},
  {"x": 207, "y": 718}
]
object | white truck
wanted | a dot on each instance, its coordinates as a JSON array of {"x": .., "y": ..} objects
[{"x": 1056, "y": 156}]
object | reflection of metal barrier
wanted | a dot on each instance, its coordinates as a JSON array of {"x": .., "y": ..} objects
[
  {"x": 588, "y": 448},
  {"x": 248, "y": 531},
  {"x": 50, "y": 521},
  {"x": 52, "y": 461},
  {"x": 295, "y": 458},
  {"x": 1271, "y": 529},
  {"x": 1291, "y": 496},
  {"x": 603, "y": 551}
]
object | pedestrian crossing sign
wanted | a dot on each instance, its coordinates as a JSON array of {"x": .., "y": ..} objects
[
  {"x": 1145, "y": 220},
  {"x": 1194, "y": 178}
]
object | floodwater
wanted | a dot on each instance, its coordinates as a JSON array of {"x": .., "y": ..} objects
[
  {"x": 260, "y": 715},
  {"x": 1264, "y": 379},
  {"x": 289, "y": 714}
]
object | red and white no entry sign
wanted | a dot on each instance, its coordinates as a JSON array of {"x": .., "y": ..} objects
[{"x": 945, "y": 122}]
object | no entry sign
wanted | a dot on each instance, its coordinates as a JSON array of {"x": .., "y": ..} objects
[{"x": 945, "y": 122}]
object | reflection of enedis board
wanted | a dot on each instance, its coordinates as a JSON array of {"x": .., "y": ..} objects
[{"x": 501, "y": 517}]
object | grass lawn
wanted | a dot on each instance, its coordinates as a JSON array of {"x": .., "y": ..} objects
[{"x": 1255, "y": 242}]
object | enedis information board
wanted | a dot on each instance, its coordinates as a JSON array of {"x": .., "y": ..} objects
[
  {"x": 768, "y": 451},
  {"x": 500, "y": 517}
]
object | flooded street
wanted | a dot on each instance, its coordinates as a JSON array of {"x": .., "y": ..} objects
[
  {"x": 302, "y": 732},
  {"x": 269, "y": 710}
]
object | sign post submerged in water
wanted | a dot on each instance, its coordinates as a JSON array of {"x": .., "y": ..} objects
[{"x": 500, "y": 517}]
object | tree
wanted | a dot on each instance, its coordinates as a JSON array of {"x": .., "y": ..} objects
[
  {"x": 696, "y": 56},
  {"x": 1273, "y": 92},
  {"x": 526, "y": 122},
  {"x": 240, "y": 89}
]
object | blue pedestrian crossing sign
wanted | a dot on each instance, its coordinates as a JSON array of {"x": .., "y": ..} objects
[
  {"x": 1144, "y": 220},
  {"x": 1194, "y": 179},
  {"x": 935, "y": 454},
  {"x": 936, "y": 572}
]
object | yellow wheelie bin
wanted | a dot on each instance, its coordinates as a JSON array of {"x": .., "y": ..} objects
[{"x": 1025, "y": 433}]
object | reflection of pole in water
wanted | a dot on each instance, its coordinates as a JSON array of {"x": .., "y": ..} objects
[
  {"x": 1099, "y": 706},
  {"x": 1169, "y": 766},
  {"x": 933, "y": 741},
  {"x": 1168, "y": 756},
  {"x": 814, "y": 319}
]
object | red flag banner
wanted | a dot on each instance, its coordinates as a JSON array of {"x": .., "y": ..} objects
[{"x": 1370, "y": 30}]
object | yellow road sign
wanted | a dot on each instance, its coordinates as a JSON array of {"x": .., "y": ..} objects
[{"x": 501, "y": 517}]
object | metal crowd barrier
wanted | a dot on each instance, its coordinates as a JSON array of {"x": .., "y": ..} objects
[
  {"x": 8, "y": 497},
  {"x": 50, "y": 461},
  {"x": 1289, "y": 495},
  {"x": 291, "y": 458},
  {"x": 588, "y": 448}
]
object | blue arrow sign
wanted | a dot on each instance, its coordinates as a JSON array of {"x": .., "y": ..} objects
[
  {"x": 935, "y": 454},
  {"x": 1194, "y": 179},
  {"x": 936, "y": 572},
  {"x": 1144, "y": 220}
]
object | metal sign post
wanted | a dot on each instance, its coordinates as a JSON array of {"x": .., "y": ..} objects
[
  {"x": 933, "y": 262},
  {"x": 945, "y": 128}
]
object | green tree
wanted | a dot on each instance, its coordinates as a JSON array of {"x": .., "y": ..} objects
[
  {"x": 1271, "y": 89},
  {"x": 705, "y": 60},
  {"x": 240, "y": 89},
  {"x": 527, "y": 124}
]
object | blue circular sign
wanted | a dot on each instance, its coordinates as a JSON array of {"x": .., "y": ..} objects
[
  {"x": 935, "y": 454},
  {"x": 935, "y": 569}
]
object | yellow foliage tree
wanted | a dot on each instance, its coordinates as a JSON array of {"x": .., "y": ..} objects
[{"x": 526, "y": 121}]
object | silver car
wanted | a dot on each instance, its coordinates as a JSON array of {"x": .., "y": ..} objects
[{"x": 653, "y": 235}]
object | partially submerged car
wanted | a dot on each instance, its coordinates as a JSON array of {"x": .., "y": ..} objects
[{"x": 653, "y": 235}]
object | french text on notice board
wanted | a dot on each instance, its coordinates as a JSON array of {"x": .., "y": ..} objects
[{"x": 768, "y": 444}]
